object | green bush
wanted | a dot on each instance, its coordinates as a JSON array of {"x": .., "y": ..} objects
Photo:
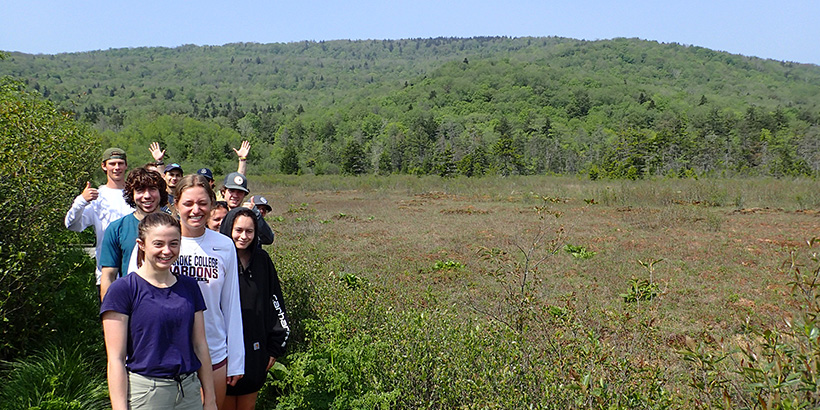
[
  {"x": 44, "y": 160},
  {"x": 770, "y": 367},
  {"x": 55, "y": 379},
  {"x": 357, "y": 347},
  {"x": 447, "y": 265},
  {"x": 339, "y": 369},
  {"x": 579, "y": 252}
]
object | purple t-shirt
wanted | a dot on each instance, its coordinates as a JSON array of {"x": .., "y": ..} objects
[{"x": 160, "y": 324}]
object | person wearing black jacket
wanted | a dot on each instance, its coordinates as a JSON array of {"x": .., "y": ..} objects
[{"x": 264, "y": 320}]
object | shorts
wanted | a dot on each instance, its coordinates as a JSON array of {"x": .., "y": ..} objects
[
  {"x": 256, "y": 363},
  {"x": 156, "y": 393},
  {"x": 217, "y": 366}
]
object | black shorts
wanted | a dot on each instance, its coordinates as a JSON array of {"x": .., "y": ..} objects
[{"x": 256, "y": 362}]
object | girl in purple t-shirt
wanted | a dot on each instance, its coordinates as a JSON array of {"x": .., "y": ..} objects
[{"x": 154, "y": 329}]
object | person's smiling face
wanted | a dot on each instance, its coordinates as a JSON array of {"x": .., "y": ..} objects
[
  {"x": 115, "y": 169},
  {"x": 147, "y": 200},
  {"x": 194, "y": 206},
  {"x": 234, "y": 197},
  {"x": 243, "y": 232},
  {"x": 161, "y": 246}
]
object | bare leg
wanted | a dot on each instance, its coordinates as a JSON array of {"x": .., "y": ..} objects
[
  {"x": 220, "y": 386},
  {"x": 246, "y": 401},
  {"x": 243, "y": 402},
  {"x": 229, "y": 403}
]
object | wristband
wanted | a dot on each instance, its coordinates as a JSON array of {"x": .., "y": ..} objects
[{"x": 243, "y": 158}]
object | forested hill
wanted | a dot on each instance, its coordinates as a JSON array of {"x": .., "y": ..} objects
[{"x": 622, "y": 108}]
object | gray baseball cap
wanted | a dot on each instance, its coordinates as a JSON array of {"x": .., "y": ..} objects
[
  {"x": 261, "y": 202},
  {"x": 235, "y": 180}
]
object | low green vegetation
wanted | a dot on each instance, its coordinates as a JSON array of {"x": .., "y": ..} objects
[
  {"x": 447, "y": 265},
  {"x": 55, "y": 378},
  {"x": 579, "y": 252}
]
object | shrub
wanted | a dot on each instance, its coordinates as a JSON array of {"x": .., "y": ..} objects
[
  {"x": 43, "y": 159},
  {"x": 55, "y": 379},
  {"x": 447, "y": 265},
  {"x": 640, "y": 290},
  {"x": 338, "y": 369},
  {"x": 361, "y": 348},
  {"x": 579, "y": 252},
  {"x": 769, "y": 368}
]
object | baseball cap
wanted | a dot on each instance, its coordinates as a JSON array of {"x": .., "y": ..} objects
[
  {"x": 205, "y": 172},
  {"x": 235, "y": 180},
  {"x": 172, "y": 166},
  {"x": 113, "y": 153},
  {"x": 261, "y": 202}
]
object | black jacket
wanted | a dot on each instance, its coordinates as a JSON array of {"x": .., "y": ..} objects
[
  {"x": 264, "y": 233},
  {"x": 264, "y": 319}
]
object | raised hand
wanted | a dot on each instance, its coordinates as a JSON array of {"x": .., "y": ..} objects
[
  {"x": 90, "y": 193},
  {"x": 156, "y": 152},
  {"x": 243, "y": 151}
]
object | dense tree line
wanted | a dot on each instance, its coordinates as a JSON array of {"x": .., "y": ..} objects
[{"x": 622, "y": 108}]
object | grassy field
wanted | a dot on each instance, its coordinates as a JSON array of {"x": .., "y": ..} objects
[{"x": 460, "y": 245}]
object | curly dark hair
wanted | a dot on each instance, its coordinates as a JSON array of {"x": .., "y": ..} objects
[{"x": 141, "y": 179}]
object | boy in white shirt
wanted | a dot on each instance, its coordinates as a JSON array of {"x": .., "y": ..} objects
[{"x": 98, "y": 207}]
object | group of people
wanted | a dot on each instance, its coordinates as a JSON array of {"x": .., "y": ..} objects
[{"x": 184, "y": 283}]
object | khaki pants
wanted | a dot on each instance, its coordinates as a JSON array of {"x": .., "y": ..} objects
[{"x": 154, "y": 393}]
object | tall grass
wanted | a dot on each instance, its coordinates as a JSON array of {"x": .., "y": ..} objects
[
  {"x": 65, "y": 366},
  {"x": 787, "y": 193},
  {"x": 361, "y": 347},
  {"x": 55, "y": 379}
]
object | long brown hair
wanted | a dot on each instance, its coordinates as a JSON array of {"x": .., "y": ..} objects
[{"x": 152, "y": 221}]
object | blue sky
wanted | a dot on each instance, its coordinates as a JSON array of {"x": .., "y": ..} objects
[{"x": 781, "y": 30}]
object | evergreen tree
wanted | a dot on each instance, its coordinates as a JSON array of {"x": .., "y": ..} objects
[
  {"x": 385, "y": 164},
  {"x": 353, "y": 159},
  {"x": 446, "y": 166},
  {"x": 480, "y": 161},
  {"x": 508, "y": 159},
  {"x": 465, "y": 165},
  {"x": 290, "y": 161}
]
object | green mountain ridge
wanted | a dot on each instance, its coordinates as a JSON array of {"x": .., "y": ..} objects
[{"x": 616, "y": 108}]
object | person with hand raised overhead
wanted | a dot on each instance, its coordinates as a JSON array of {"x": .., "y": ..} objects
[{"x": 235, "y": 189}]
